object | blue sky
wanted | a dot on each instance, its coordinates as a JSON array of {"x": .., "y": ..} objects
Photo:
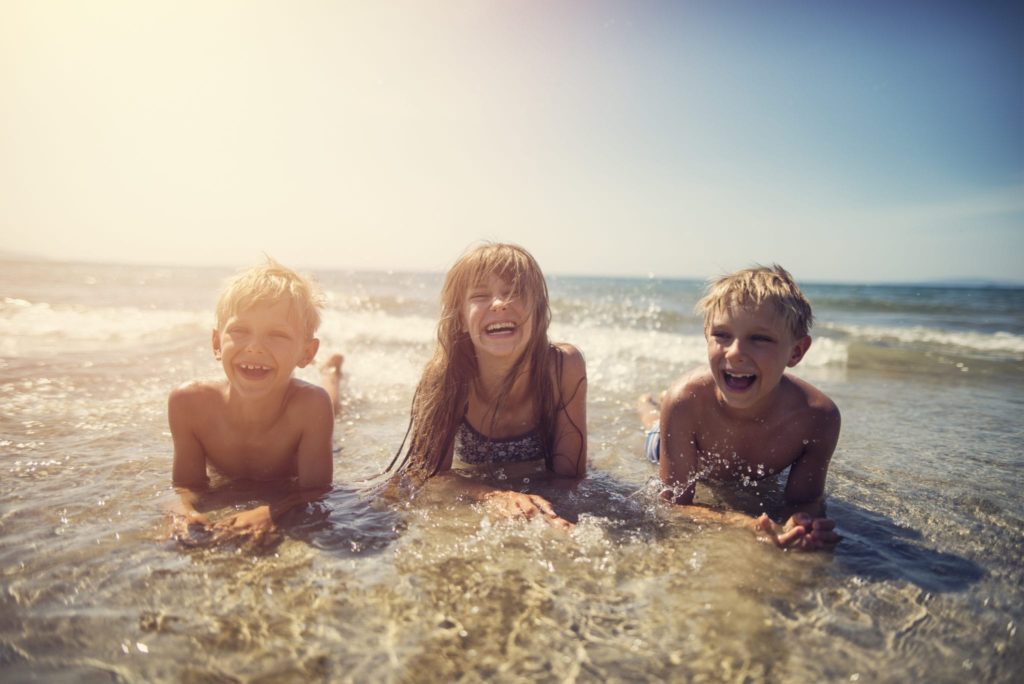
[{"x": 862, "y": 141}]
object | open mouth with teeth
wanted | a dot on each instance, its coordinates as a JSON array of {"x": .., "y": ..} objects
[
  {"x": 738, "y": 381},
  {"x": 254, "y": 371},
  {"x": 502, "y": 329}
]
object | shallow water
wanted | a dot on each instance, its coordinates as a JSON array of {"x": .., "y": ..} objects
[{"x": 925, "y": 487}]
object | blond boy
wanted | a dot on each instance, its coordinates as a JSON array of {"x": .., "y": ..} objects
[
  {"x": 743, "y": 418},
  {"x": 258, "y": 422}
]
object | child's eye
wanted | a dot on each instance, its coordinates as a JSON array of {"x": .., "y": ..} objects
[
  {"x": 719, "y": 335},
  {"x": 476, "y": 296},
  {"x": 280, "y": 334},
  {"x": 762, "y": 338}
]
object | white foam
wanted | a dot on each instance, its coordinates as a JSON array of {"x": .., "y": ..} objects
[
  {"x": 615, "y": 356},
  {"x": 986, "y": 342},
  {"x": 29, "y": 328}
]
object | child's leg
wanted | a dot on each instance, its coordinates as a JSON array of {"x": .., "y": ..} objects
[
  {"x": 330, "y": 378},
  {"x": 649, "y": 412}
]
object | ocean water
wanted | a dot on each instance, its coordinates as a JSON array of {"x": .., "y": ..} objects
[{"x": 925, "y": 485}]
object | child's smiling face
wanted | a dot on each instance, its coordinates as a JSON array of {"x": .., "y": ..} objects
[
  {"x": 749, "y": 348},
  {"x": 261, "y": 345},
  {"x": 499, "y": 322}
]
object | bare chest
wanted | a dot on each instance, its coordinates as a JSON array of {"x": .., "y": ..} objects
[
  {"x": 511, "y": 421},
  {"x": 265, "y": 455},
  {"x": 755, "y": 452}
]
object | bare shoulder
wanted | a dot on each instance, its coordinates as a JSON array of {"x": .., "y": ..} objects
[
  {"x": 194, "y": 394},
  {"x": 811, "y": 397},
  {"x": 574, "y": 366},
  {"x": 691, "y": 389},
  {"x": 309, "y": 398},
  {"x": 193, "y": 406},
  {"x": 821, "y": 412}
]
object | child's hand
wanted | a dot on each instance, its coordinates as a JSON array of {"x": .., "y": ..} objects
[
  {"x": 800, "y": 532},
  {"x": 189, "y": 529},
  {"x": 527, "y": 506},
  {"x": 255, "y": 524}
]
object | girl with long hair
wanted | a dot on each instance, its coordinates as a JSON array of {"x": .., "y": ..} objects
[{"x": 496, "y": 390}]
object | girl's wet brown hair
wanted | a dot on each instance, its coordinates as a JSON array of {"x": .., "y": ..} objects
[{"x": 443, "y": 390}]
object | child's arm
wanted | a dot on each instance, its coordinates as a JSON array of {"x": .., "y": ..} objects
[
  {"x": 677, "y": 462},
  {"x": 188, "y": 472},
  {"x": 806, "y": 484},
  {"x": 570, "y": 444},
  {"x": 315, "y": 456}
]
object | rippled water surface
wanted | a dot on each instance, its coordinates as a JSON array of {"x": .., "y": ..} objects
[{"x": 925, "y": 486}]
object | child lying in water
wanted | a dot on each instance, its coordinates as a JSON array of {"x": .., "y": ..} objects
[
  {"x": 497, "y": 392},
  {"x": 258, "y": 422},
  {"x": 743, "y": 418}
]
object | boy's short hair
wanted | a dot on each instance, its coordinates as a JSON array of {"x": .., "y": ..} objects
[
  {"x": 754, "y": 287},
  {"x": 271, "y": 282}
]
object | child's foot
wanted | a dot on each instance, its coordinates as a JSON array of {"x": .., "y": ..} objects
[
  {"x": 330, "y": 378},
  {"x": 332, "y": 366},
  {"x": 648, "y": 410}
]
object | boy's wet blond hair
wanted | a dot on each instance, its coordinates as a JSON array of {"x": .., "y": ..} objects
[
  {"x": 271, "y": 282},
  {"x": 756, "y": 287}
]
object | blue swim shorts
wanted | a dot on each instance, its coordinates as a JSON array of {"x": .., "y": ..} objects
[{"x": 652, "y": 443}]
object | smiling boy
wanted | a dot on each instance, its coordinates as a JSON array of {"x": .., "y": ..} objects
[
  {"x": 743, "y": 418},
  {"x": 258, "y": 422}
]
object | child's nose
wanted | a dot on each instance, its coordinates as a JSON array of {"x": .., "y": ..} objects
[{"x": 254, "y": 343}]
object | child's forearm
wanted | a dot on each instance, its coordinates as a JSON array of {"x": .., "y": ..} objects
[
  {"x": 814, "y": 508},
  {"x": 703, "y": 514},
  {"x": 474, "y": 489},
  {"x": 185, "y": 502},
  {"x": 294, "y": 500}
]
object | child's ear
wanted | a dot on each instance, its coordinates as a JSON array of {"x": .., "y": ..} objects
[
  {"x": 309, "y": 352},
  {"x": 800, "y": 348},
  {"x": 216, "y": 344}
]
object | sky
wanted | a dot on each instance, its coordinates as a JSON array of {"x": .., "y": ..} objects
[{"x": 848, "y": 141}]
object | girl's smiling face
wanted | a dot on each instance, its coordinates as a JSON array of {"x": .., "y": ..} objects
[
  {"x": 748, "y": 351},
  {"x": 498, "y": 320}
]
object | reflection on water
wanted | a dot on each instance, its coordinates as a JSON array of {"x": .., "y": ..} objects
[{"x": 926, "y": 585}]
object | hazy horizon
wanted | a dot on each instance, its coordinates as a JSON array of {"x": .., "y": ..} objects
[
  {"x": 869, "y": 142},
  {"x": 953, "y": 281}
]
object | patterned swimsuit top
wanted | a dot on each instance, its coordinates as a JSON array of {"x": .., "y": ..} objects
[{"x": 474, "y": 448}]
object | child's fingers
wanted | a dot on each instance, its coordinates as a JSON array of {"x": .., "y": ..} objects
[
  {"x": 560, "y": 523},
  {"x": 826, "y": 537},
  {"x": 542, "y": 504},
  {"x": 789, "y": 537},
  {"x": 226, "y": 524},
  {"x": 800, "y": 520}
]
